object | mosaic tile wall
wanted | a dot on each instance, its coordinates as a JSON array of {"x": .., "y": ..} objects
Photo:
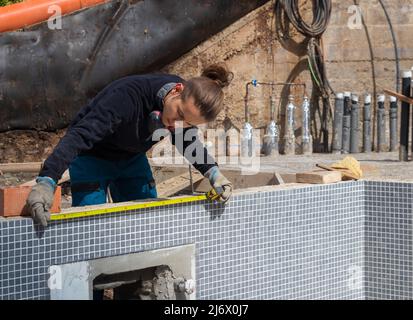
[
  {"x": 388, "y": 240},
  {"x": 304, "y": 243}
]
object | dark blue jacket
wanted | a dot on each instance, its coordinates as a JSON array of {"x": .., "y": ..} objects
[{"x": 114, "y": 125}]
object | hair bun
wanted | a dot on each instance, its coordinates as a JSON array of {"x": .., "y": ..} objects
[{"x": 219, "y": 73}]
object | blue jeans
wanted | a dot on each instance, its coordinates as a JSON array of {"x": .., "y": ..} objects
[{"x": 127, "y": 180}]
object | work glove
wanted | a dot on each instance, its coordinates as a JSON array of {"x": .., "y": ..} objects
[
  {"x": 40, "y": 200},
  {"x": 221, "y": 185}
]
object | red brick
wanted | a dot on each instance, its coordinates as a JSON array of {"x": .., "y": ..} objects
[{"x": 13, "y": 201}]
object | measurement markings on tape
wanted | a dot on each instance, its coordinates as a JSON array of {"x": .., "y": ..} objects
[{"x": 143, "y": 205}]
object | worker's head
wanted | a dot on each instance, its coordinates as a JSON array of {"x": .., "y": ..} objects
[{"x": 199, "y": 100}]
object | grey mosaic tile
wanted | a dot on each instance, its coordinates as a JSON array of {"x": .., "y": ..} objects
[{"x": 318, "y": 242}]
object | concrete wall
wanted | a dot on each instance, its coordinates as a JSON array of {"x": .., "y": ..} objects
[{"x": 251, "y": 50}]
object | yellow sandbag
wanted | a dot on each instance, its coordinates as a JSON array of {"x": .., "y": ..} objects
[{"x": 350, "y": 164}]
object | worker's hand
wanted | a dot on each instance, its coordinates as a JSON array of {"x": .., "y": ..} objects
[
  {"x": 221, "y": 185},
  {"x": 40, "y": 200}
]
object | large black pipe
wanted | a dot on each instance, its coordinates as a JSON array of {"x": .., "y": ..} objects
[
  {"x": 354, "y": 136},
  {"x": 405, "y": 118},
  {"x": 346, "y": 123},
  {"x": 47, "y": 75}
]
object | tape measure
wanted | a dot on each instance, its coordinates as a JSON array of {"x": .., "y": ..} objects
[
  {"x": 130, "y": 207},
  {"x": 213, "y": 195}
]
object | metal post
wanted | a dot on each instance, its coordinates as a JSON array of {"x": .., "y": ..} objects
[
  {"x": 393, "y": 124},
  {"x": 405, "y": 118},
  {"x": 367, "y": 124},
  {"x": 338, "y": 123}
]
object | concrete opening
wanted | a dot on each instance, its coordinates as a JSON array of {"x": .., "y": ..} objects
[
  {"x": 166, "y": 274},
  {"x": 155, "y": 283}
]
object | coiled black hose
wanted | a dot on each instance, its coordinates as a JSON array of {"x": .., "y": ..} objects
[{"x": 321, "y": 16}]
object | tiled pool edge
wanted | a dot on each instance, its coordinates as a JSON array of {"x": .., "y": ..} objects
[{"x": 303, "y": 243}]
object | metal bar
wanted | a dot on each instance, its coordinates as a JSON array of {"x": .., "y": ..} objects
[{"x": 191, "y": 179}]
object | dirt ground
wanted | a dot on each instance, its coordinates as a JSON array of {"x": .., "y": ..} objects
[{"x": 27, "y": 145}]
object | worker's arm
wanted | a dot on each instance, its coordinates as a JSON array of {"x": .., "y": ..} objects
[
  {"x": 188, "y": 144},
  {"x": 100, "y": 121}
]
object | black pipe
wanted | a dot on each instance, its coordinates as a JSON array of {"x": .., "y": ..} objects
[
  {"x": 354, "y": 136},
  {"x": 405, "y": 118},
  {"x": 346, "y": 123}
]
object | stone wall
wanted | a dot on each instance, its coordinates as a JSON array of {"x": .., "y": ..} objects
[{"x": 251, "y": 49}]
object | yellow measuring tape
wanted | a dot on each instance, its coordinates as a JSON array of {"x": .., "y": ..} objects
[{"x": 129, "y": 207}]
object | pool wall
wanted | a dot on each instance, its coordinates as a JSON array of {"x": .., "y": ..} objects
[{"x": 349, "y": 240}]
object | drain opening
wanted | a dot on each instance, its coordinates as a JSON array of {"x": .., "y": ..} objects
[{"x": 155, "y": 283}]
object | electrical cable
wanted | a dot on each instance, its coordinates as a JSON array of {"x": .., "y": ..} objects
[
  {"x": 373, "y": 72},
  {"x": 396, "y": 48},
  {"x": 321, "y": 16}
]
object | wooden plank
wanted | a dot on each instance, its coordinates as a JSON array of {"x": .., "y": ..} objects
[
  {"x": 319, "y": 177},
  {"x": 345, "y": 174},
  {"x": 399, "y": 96},
  {"x": 20, "y": 167},
  {"x": 31, "y": 183},
  {"x": 173, "y": 185},
  {"x": 278, "y": 179},
  {"x": 240, "y": 181}
]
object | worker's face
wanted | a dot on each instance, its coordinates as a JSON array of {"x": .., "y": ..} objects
[{"x": 177, "y": 112}]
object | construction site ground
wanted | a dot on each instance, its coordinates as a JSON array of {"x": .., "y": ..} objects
[{"x": 376, "y": 166}]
